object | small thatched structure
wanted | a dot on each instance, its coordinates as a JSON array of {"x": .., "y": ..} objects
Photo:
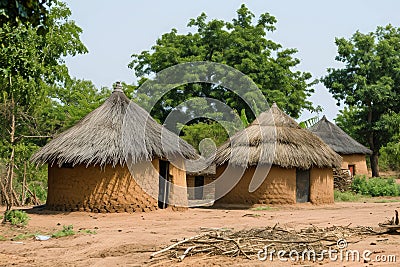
[
  {"x": 199, "y": 174},
  {"x": 352, "y": 152},
  {"x": 88, "y": 163},
  {"x": 301, "y": 163}
]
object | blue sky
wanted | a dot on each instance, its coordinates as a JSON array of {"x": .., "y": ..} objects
[{"x": 114, "y": 30}]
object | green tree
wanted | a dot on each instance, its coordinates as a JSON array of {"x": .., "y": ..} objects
[
  {"x": 29, "y": 63},
  {"x": 241, "y": 44},
  {"x": 34, "y": 12},
  {"x": 369, "y": 83}
]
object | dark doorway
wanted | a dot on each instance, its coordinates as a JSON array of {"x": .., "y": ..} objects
[
  {"x": 302, "y": 186},
  {"x": 163, "y": 185},
  {"x": 352, "y": 169},
  {"x": 198, "y": 187}
]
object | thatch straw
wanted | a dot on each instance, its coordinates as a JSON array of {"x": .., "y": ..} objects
[
  {"x": 337, "y": 139},
  {"x": 199, "y": 167},
  {"x": 117, "y": 130},
  {"x": 294, "y": 147}
]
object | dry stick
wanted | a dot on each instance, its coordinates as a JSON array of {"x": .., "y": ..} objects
[
  {"x": 239, "y": 247},
  {"x": 174, "y": 245},
  {"x": 16, "y": 200},
  {"x": 33, "y": 195},
  {"x": 180, "y": 258}
]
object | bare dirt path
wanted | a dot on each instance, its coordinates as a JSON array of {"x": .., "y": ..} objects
[{"x": 129, "y": 239}]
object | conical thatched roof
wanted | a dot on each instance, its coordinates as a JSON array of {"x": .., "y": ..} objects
[
  {"x": 294, "y": 147},
  {"x": 337, "y": 139},
  {"x": 117, "y": 130}
]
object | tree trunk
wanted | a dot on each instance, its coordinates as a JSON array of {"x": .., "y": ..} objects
[
  {"x": 374, "y": 158},
  {"x": 10, "y": 178},
  {"x": 374, "y": 164}
]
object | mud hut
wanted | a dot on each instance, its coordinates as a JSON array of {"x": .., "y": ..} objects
[
  {"x": 352, "y": 152},
  {"x": 115, "y": 160},
  {"x": 199, "y": 174},
  {"x": 300, "y": 167}
]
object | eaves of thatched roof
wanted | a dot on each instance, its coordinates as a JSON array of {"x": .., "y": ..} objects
[
  {"x": 114, "y": 132},
  {"x": 275, "y": 138},
  {"x": 199, "y": 167},
  {"x": 338, "y": 139}
]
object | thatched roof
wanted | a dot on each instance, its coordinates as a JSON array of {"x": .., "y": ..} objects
[
  {"x": 337, "y": 139},
  {"x": 294, "y": 147},
  {"x": 199, "y": 167},
  {"x": 117, "y": 130}
]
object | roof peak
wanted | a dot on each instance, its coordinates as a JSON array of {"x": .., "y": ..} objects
[{"x": 118, "y": 87}]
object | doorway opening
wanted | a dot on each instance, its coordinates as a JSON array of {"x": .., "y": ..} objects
[
  {"x": 198, "y": 187},
  {"x": 163, "y": 185},
  {"x": 302, "y": 186}
]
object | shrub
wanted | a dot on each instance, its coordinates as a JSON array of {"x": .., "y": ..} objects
[
  {"x": 16, "y": 217},
  {"x": 375, "y": 186}
]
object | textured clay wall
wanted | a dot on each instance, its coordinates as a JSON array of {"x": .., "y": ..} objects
[
  {"x": 321, "y": 186},
  {"x": 97, "y": 189},
  {"x": 279, "y": 187},
  {"x": 358, "y": 160},
  {"x": 108, "y": 189},
  {"x": 178, "y": 193},
  {"x": 208, "y": 191}
]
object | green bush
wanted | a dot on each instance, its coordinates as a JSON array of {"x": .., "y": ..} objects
[
  {"x": 16, "y": 217},
  {"x": 389, "y": 157},
  {"x": 375, "y": 186}
]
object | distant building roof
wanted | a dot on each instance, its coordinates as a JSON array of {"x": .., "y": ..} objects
[{"x": 337, "y": 139}]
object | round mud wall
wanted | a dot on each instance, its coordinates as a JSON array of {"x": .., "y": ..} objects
[
  {"x": 96, "y": 189},
  {"x": 279, "y": 187}
]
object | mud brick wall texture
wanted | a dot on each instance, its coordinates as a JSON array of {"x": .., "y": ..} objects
[
  {"x": 106, "y": 189},
  {"x": 208, "y": 188},
  {"x": 279, "y": 187},
  {"x": 358, "y": 161}
]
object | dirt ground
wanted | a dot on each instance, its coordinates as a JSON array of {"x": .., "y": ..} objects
[{"x": 123, "y": 239}]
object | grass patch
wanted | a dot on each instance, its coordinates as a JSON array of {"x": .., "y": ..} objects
[
  {"x": 17, "y": 217},
  {"x": 262, "y": 208},
  {"x": 88, "y": 231},
  {"x": 3, "y": 238},
  {"x": 347, "y": 196},
  {"x": 23, "y": 236},
  {"x": 67, "y": 230}
]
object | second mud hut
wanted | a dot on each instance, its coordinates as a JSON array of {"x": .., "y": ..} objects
[{"x": 301, "y": 168}]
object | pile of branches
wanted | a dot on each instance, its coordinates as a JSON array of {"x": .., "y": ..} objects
[
  {"x": 249, "y": 243},
  {"x": 342, "y": 180}
]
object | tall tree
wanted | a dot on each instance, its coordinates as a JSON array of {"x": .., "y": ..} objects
[
  {"x": 29, "y": 61},
  {"x": 241, "y": 44},
  {"x": 369, "y": 83}
]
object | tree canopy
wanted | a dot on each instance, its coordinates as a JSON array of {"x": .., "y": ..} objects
[
  {"x": 31, "y": 65},
  {"x": 369, "y": 83},
  {"x": 33, "y": 12},
  {"x": 241, "y": 44}
]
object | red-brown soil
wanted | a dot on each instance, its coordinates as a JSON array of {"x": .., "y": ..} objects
[{"x": 124, "y": 239}]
